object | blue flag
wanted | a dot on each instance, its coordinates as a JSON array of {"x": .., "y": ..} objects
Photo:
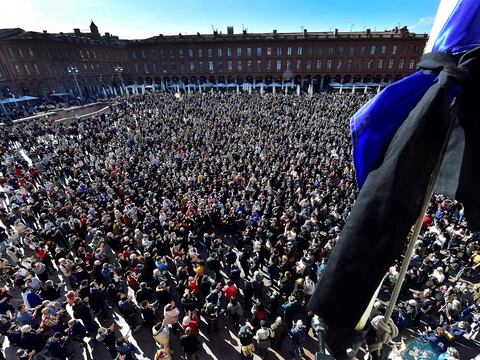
[{"x": 375, "y": 124}]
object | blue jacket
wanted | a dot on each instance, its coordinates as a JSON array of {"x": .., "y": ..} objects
[{"x": 299, "y": 336}]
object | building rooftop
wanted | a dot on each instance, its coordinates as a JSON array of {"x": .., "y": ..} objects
[
  {"x": 274, "y": 35},
  {"x": 73, "y": 37},
  {"x": 94, "y": 38},
  {"x": 7, "y": 33}
]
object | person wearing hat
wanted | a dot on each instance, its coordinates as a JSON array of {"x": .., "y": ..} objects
[
  {"x": 299, "y": 338},
  {"x": 107, "y": 337},
  {"x": 246, "y": 337},
  {"x": 161, "y": 334},
  {"x": 263, "y": 336}
]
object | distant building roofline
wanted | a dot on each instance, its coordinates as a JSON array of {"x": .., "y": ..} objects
[{"x": 94, "y": 38}]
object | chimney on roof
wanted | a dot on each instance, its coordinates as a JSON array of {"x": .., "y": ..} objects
[
  {"x": 244, "y": 31},
  {"x": 215, "y": 32},
  {"x": 368, "y": 32},
  {"x": 94, "y": 29},
  {"x": 107, "y": 34},
  {"x": 274, "y": 32},
  {"x": 404, "y": 30},
  {"x": 336, "y": 32},
  {"x": 304, "y": 32},
  {"x": 76, "y": 31},
  {"x": 45, "y": 31},
  {"x": 229, "y": 30}
]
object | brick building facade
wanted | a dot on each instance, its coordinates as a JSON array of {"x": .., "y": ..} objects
[{"x": 33, "y": 63}]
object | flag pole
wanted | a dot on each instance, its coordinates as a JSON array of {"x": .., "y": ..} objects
[{"x": 418, "y": 225}]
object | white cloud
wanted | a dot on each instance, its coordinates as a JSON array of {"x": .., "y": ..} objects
[{"x": 424, "y": 24}]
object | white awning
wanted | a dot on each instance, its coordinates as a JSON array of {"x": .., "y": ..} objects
[{"x": 19, "y": 99}]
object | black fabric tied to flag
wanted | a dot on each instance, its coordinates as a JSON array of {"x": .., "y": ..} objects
[{"x": 390, "y": 201}]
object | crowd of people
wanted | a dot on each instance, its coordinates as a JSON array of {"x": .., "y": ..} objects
[{"x": 195, "y": 214}]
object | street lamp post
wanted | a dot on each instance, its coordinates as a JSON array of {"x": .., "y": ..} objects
[
  {"x": 73, "y": 70},
  {"x": 164, "y": 80},
  {"x": 119, "y": 69}
]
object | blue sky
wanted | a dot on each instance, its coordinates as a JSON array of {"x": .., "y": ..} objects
[{"x": 144, "y": 18}]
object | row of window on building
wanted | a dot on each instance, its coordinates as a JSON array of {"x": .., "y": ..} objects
[
  {"x": 86, "y": 54},
  {"x": 57, "y": 69},
  {"x": 278, "y": 51},
  {"x": 83, "y": 54},
  {"x": 277, "y": 65},
  {"x": 210, "y": 66}
]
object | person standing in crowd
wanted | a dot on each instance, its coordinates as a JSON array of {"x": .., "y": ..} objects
[
  {"x": 190, "y": 344},
  {"x": 263, "y": 337},
  {"x": 299, "y": 337},
  {"x": 107, "y": 337},
  {"x": 246, "y": 337},
  {"x": 126, "y": 349},
  {"x": 280, "y": 332},
  {"x": 56, "y": 348},
  {"x": 161, "y": 334}
]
